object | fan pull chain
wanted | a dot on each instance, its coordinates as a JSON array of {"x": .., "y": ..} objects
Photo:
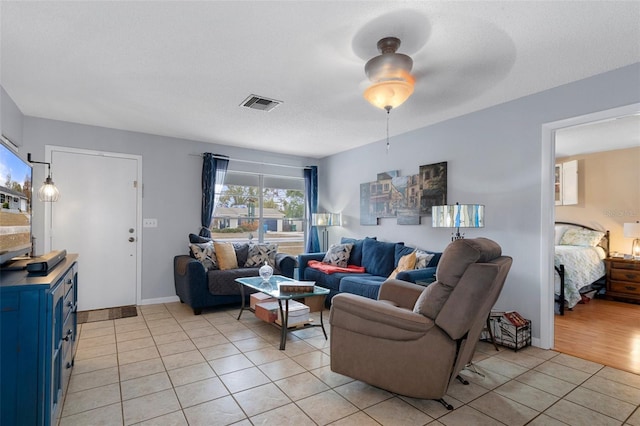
[{"x": 388, "y": 146}]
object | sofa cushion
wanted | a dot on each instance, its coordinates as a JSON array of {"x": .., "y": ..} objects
[
  {"x": 402, "y": 250},
  {"x": 330, "y": 281},
  {"x": 378, "y": 257},
  {"x": 355, "y": 258},
  {"x": 406, "y": 263},
  {"x": 226, "y": 255},
  {"x": 242, "y": 252},
  {"x": 338, "y": 254},
  {"x": 362, "y": 285},
  {"x": 205, "y": 254},
  {"x": 222, "y": 283},
  {"x": 261, "y": 253}
]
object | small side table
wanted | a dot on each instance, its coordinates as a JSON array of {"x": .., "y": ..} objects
[{"x": 623, "y": 279}]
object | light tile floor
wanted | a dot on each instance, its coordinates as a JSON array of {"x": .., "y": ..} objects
[{"x": 169, "y": 367}]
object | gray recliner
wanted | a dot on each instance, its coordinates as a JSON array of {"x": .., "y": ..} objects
[{"x": 413, "y": 340}]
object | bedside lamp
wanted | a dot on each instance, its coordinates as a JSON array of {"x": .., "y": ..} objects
[
  {"x": 632, "y": 230},
  {"x": 458, "y": 216}
]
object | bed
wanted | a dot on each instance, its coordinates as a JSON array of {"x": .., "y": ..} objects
[{"x": 579, "y": 262}]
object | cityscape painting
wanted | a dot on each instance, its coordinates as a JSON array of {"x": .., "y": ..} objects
[{"x": 406, "y": 198}]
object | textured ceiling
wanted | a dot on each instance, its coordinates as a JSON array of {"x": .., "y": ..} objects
[{"x": 181, "y": 69}]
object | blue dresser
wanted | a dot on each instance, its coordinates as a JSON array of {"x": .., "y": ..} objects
[{"x": 38, "y": 342}]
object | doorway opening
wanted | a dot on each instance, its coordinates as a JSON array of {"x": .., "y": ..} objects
[{"x": 548, "y": 214}]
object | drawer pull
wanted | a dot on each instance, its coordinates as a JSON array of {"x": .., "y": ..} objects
[
  {"x": 631, "y": 276},
  {"x": 630, "y": 288}
]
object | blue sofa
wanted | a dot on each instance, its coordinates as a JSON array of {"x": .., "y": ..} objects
[
  {"x": 200, "y": 289},
  {"x": 379, "y": 260}
]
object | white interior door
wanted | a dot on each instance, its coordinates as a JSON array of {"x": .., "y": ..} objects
[{"x": 97, "y": 217}]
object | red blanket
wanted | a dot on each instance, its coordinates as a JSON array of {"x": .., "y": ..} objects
[{"x": 332, "y": 269}]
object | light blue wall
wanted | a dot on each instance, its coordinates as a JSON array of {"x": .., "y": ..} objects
[
  {"x": 171, "y": 170},
  {"x": 494, "y": 158}
]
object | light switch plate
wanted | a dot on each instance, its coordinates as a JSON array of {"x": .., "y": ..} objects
[{"x": 149, "y": 223}]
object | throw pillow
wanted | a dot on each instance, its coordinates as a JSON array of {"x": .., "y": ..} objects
[
  {"x": 406, "y": 263},
  {"x": 197, "y": 239},
  {"x": 355, "y": 258},
  {"x": 261, "y": 253},
  {"x": 378, "y": 258},
  {"x": 242, "y": 253},
  {"x": 205, "y": 254},
  {"x": 226, "y": 255},
  {"x": 581, "y": 237},
  {"x": 422, "y": 259},
  {"x": 338, "y": 254}
]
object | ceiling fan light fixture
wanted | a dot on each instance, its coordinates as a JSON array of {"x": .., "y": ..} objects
[
  {"x": 389, "y": 94},
  {"x": 390, "y": 74}
]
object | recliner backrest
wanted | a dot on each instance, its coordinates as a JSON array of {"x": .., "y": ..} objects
[
  {"x": 468, "y": 299},
  {"x": 456, "y": 259}
]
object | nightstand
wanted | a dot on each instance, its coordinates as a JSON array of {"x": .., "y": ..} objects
[{"x": 623, "y": 279}]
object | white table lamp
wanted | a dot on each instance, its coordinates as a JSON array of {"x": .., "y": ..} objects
[{"x": 632, "y": 230}]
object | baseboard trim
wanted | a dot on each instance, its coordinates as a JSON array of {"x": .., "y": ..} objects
[{"x": 157, "y": 300}]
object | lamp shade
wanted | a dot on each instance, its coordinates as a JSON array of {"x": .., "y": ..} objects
[
  {"x": 458, "y": 216},
  {"x": 389, "y": 93},
  {"x": 326, "y": 219},
  {"x": 48, "y": 192},
  {"x": 631, "y": 230}
]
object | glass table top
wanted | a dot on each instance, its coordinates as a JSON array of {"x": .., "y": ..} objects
[{"x": 272, "y": 287}]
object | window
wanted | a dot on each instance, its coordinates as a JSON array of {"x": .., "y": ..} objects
[{"x": 261, "y": 208}]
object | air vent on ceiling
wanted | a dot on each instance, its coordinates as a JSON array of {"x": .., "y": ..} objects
[{"x": 260, "y": 102}]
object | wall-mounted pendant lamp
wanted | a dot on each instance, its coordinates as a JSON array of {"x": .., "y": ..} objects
[
  {"x": 390, "y": 75},
  {"x": 458, "y": 216},
  {"x": 48, "y": 192}
]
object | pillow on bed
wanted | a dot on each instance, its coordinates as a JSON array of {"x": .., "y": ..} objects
[
  {"x": 559, "y": 232},
  {"x": 581, "y": 237}
]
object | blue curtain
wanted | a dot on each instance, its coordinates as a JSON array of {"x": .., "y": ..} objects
[
  {"x": 213, "y": 173},
  {"x": 311, "y": 191}
]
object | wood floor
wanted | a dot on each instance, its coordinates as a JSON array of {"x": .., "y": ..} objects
[{"x": 602, "y": 331}]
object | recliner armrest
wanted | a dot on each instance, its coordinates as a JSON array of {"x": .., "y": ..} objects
[
  {"x": 376, "y": 318},
  {"x": 402, "y": 293}
]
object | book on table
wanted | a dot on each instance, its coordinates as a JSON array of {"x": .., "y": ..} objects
[{"x": 295, "y": 286}]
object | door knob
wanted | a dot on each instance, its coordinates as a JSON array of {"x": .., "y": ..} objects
[{"x": 131, "y": 239}]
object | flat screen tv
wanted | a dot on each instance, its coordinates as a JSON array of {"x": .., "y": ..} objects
[{"x": 15, "y": 204}]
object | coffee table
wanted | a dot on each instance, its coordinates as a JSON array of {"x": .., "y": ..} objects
[{"x": 271, "y": 288}]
